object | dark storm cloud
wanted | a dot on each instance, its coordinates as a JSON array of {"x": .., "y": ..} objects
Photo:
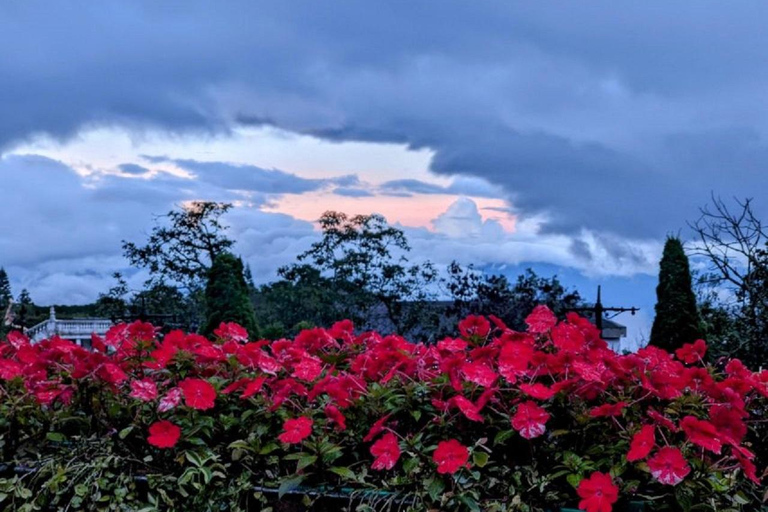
[
  {"x": 252, "y": 178},
  {"x": 617, "y": 116}
]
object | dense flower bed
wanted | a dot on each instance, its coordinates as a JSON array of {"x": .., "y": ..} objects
[{"x": 491, "y": 420}]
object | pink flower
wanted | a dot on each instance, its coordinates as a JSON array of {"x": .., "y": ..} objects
[
  {"x": 530, "y": 420},
  {"x": 171, "y": 400},
  {"x": 450, "y": 456},
  {"x": 296, "y": 430},
  {"x": 669, "y": 466},
  {"x": 598, "y": 493},
  {"x": 387, "y": 452},
  {"x": 144, "y": 390},
  {"x": 163, "y": 434}
]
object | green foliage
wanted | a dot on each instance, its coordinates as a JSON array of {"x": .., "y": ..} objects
[
  {"x": 182, "y": 249},
  {"x": 6, "y": 296},
  {"x": 677, "y": 318},
  {"x": 226, "y": 296},
  {"x": 477, "y": 293},
  {"x": 733, "y": 294},
  {"x": 363, "y": 262}
]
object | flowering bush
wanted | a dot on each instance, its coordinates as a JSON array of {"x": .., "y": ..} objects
[{"x": 492, "y": 420}]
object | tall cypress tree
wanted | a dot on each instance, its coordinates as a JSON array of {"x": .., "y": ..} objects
[
  {"x": 677, "y": 318},
  {"x": 226, "y": 296},
  {"x": 5, "y": 290},
  {"x": 5, "y": 299}
]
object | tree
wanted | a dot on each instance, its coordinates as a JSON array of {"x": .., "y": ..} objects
[
  {"x": 5, "y": 289},
  {"x": 677, "y": 318},
  {"x": 226, "y": 296},
  {"x": 734, "y": 291},
  {"x": 364, "y": 259},
  {"x": 6, "y": 300},
  {"x": 303, "y": 298},
  {"x": 182, "y": 250},
  {"x": 474, "y": 292},
  {"x": 114, "y": 303},
  {"x": 26, "y": 310}
]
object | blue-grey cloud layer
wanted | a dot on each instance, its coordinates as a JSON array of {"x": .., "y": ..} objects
[{"x": 619, "y": 116}]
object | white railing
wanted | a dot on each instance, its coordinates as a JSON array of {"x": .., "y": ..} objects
[{"x": 76, "y": 329}]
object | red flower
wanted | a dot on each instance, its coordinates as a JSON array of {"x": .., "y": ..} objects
[
  {"x": 598, "y": 493},
  {"x": 452, "y": 345},
  {"x": 530, "y": 420},
  {"x": 568, "y": 337},
  {"x": 749, "y": 468},
  {"x": 479, "y": 374},
  {"x": 662, "y": 420},
  {"x": 296, "y": 430},
  {"x": 376, "y": 429},
  {"x": 163, "y": 434},
  {"x": 144, "y": 390},
  {"x": 308, "y": 368},
  {"x": 17, "y": 340},
  {"x": 450, "y": 456},
  {"x": 112, "y": 373},
  {"x": 474, "y": 325},
  {"x": 540, "y": 320},
  {"x": 470, "y": 410},
  {"x": 691, "y": 353},
  {"x": 387, "y": 451},
  {"x": 253, "y": 387},
  {"x": 701, "y": 433},
  {"x": 198, "y": 393},
  {"x": 335, "y": 415},
  {"x": 642, "y": 443},
  {"x": 231, "y": 332},
  {"x": 538, "y": 391},
  {"x": 669, "y": 466},
  {"x": 607, "y": 410},
  {"x": 10, "y": 369}
]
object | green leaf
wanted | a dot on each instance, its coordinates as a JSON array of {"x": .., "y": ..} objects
[
  {"x": 574, "y": 479},
  {"x": 56, "y": 437},
  {"x": 306, "y": 461},
  {"x": 124, "y": 433},
  {"x": 480, "y": 459},
  {"x": 268, "y": 449},
  {"x": 470, "y": 503},
  {"x": 343, "y": 472},
  {"x": 194, "y": 458},
  {"x": 435, "y": 488},
  {"x": 288, "y": 485},
  {"x": 503, "y": 436}
]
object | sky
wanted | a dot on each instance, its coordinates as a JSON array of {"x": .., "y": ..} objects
[{"x": 571, "y": 137}]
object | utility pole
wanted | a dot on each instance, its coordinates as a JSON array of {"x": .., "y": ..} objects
[{"x": 598, "y": 309}]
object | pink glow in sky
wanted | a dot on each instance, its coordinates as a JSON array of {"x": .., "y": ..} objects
[{"x": 415, "y": 211}]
